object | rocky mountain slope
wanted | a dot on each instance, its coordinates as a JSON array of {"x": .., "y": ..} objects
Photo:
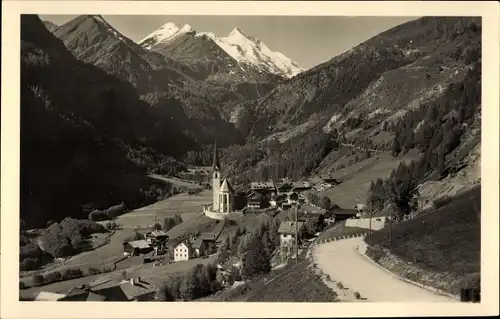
[
  {"x": 86, "y": 137},
  {"x": 172, "y": 87},
  {"x": 415, "y": 87}
]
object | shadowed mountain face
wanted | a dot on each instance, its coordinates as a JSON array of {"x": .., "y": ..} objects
[
  {"x": 82, "y": 132},
  {"x": 169, "y": 86}
]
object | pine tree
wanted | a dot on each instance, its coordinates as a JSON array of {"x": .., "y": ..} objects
[{"x": 396, "y": 145}]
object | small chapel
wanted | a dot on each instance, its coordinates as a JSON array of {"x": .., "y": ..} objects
[{"x": 223, "y": 193}]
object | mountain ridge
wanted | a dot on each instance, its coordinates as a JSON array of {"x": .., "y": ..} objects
[{"x": 245, "y": 50}]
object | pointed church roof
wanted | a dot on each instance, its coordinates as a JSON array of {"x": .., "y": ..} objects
[
  {"x": 226, "y": 187},
  {"x": 215, "y": 165}
]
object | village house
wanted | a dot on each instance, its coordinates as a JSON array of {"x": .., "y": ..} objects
[
  {"x": 200, "y": 246},
  {"x": 278, "y": 200},
  {"x": 287, "y": 231},
  {"x": 301, "y": 187},
  {"x": 256, "y": 200},
  {"x": 156, "y": 238},
  {"x": 137, "y": 247},
  {"x": 292, "y": 198},
  {"x": 134, "y": 289},
  {"x": 183, "y": 251}
]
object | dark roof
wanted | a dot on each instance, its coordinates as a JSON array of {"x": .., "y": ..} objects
[
  {"x": 198, "y": 242},
  {"x": 77, "y": 294},
  {"x": 140, "y": 244},
  {"x": 288, "y": 227},
  {"x": 254, "y": 194},
  {"x": 208, "y": 236},
  {"x": 285, "y": 185}
]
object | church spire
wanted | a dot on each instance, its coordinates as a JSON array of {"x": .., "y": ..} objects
[{"x": 216, "y": 165}]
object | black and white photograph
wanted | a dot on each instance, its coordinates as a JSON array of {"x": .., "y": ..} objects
[{"x": 249, "y": 158}]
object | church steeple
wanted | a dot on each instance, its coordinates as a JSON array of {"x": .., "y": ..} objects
[{"x": 215, "y": 165}]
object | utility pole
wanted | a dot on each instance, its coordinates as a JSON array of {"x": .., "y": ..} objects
[
  {"x": 296, "y": 235},
  {"x": 370, "y": 227}
]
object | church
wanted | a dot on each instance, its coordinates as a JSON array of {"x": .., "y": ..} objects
[{"x": 223, "y": 193}]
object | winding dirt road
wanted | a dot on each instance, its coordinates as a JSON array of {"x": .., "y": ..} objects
[{"x": 341, "y": 260}]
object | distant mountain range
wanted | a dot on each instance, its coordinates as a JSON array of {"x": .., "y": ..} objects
[{"x": 237, "y": 50}]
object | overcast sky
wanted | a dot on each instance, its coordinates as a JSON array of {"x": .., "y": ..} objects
[{"x": 308, "y": 40}]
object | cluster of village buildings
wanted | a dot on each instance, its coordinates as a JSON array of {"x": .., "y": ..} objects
[{"x": 156, "y": 245}]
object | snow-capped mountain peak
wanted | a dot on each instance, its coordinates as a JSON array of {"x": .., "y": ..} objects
[
  {"x": 164, "y": 34},
  {"x": 246, "y": 50},
  {"x": 237, "y": 33},
  {"x": 250, "y": 50}
]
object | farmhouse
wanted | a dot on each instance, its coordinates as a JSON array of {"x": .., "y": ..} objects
[
  {"x": 137, "y": 247},
  {"x": 200, "y": 246},
  {"x": 183, "y": 251},
  {"x": 156, "y": 237},
  {"x": 257, "y": 200}
]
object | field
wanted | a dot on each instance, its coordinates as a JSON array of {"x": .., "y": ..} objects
[
  {"x": 141, "y": 219},
  {"x": 357, "y": 177},
  {"x": 440, "y": 247},
  {"x": 155, "y": 275}
]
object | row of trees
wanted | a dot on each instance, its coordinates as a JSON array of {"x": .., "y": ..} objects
[
  {"x": 171, "y": 222},
  {"x": 199, "y": 282},
  {"x": 321, "y": 201},
  {"x": 399, "y": 190}
]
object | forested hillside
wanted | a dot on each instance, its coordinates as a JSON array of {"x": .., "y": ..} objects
[{"x": 86, "y": 137}]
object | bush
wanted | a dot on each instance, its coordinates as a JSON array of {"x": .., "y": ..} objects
[
  {"x": 93, "y": 271},
  {"x": 38, "y": 280},
  {"x": 357, "y": 295},
  {"x": 72, "y": 273},
  {"x": 63, "y": 250},
  {"x": 98, "y": 215},
  {"x": 111, "y": 226},
  {"x": 30, "y": 263},
  {"x": 53, "y": 277}
]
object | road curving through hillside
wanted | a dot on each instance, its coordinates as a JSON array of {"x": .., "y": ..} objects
[{"x": 344, "y": 263}]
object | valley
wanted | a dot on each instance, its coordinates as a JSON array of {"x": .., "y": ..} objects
[{"x": 129, "y": 148}]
